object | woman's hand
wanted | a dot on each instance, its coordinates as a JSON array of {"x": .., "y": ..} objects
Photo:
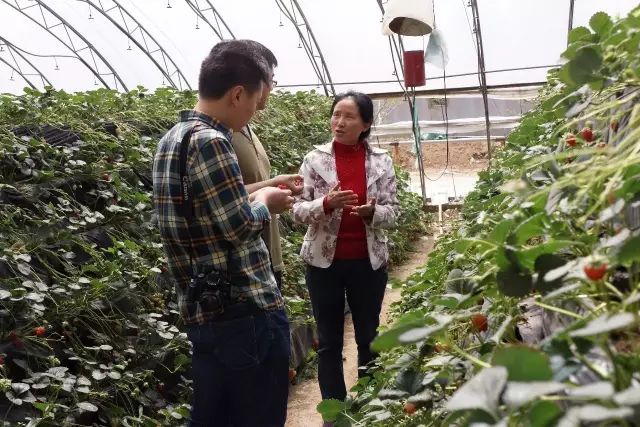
[
  {"x": 295, "y": 183},
  {"x": 364, "y": 211},
  {"x": 337, "y": 199}
]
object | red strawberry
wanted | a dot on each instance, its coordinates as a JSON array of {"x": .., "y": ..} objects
[
  {"x": 595, "y": 271},
  {"x": 480, "y": 322},
  {"x": 571, "y": 140},
  {"x": 106, "y": 177},
  {"x": 39, "y": 331},
  {"x": 587, "y": 134},
  {"x": 410, "y": 408}
]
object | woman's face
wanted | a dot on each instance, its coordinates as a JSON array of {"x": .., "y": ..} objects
[{"x": 346, "y": 122}]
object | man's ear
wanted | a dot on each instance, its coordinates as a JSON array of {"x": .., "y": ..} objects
[{"x": 235, "y": 94}]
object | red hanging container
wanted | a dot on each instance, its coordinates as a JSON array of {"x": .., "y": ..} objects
[{"x": 414, "y": 68}]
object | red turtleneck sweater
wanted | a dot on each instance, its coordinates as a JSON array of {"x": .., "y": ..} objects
[{"x": 352, "y": 236}]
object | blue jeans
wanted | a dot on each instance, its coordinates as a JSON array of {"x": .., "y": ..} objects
[{"x": 240, "y": 371}]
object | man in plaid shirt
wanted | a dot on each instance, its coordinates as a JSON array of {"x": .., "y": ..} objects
[{"x": 240, "y": 358}]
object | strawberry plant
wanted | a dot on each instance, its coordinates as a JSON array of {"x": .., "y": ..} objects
[
  {"x": 89, "y": 328},
  {"x": 549, "y": 244}
]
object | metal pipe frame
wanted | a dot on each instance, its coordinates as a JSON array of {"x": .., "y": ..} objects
[
  {"x": 200, "y": 12},
  {"x": 571, "y": 8},
  {"x": 309, "y": 42},
  {"x": 70, "y": 45},
  {"x": 482, "y": 74},
  {"x": 11, "y": 48},
  {"x": 397, "y": 50},
  {"x": 169, "y": 69},
  {"x": 20, "y": 73}
]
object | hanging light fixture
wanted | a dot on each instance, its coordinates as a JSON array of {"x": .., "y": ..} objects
[
  {"x": 11, "y": 78},
  {"x": 168, "y": 5},
  {"x": 56, "y": 61},
  {"x": 408, "y": 18}
]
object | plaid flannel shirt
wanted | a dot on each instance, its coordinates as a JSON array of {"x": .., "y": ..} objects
[{"x": 225, "y": 231}]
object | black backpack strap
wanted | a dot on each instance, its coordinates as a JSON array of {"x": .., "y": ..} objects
[
  {"x": 185, "y": 209},
  {"x": 186, "y": 205}
]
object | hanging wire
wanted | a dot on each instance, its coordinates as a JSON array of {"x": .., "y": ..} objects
[
  {"x": 445, "y": 118},
  {"x": 444, "y": 109}
]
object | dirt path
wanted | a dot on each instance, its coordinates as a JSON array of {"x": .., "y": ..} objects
[{"x": 304, "y": 397}]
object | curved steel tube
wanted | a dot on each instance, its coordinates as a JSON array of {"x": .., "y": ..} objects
[
  {"x": 19, "y": 73},
  {"x": 69, "y": 45},
  {"x": 12, "y": 48},
  {"x": 165, "y": 56},
  {"x": 193, "y": 4},
  {"x": 321, "y": 68}
]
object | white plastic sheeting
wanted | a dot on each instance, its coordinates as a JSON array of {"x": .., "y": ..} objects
[{"x": 516, "y": 34}]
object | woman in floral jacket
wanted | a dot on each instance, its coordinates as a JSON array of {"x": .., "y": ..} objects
[{"x": 349, "y": 198}]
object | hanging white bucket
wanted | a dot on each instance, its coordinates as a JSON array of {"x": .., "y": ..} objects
[{"x": 408, "y": 17}]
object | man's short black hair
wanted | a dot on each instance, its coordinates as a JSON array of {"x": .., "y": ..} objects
[
  {"x": 232, "y": 63},
  {"x": 264, "y": 51}
]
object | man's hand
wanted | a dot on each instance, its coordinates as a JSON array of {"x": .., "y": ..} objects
[
  {"x": 275, "y": 199},
  {"x": 295, "y": 183},
  {"x": 364, "y": 211},
  {"x": 337, "y": 199}
]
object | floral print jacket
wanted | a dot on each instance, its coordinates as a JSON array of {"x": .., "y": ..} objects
[{"x": 320, "y": 176}]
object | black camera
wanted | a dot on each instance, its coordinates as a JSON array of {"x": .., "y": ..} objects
[{"x": 211, "y": 291}]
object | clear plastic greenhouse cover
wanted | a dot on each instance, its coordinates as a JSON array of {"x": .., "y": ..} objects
[{"x": 125, "y": 43}]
